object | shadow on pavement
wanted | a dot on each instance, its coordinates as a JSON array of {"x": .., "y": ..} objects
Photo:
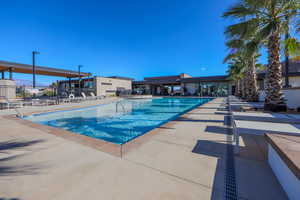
[
  {"x": 215, "y": 149},
  {"x": 9, "y": 165}
]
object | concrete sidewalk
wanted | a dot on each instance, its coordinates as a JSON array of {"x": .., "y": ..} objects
[{"x": 186, "y": 160}]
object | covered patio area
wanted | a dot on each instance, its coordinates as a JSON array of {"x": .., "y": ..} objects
[{"x": 8, "y": 85}]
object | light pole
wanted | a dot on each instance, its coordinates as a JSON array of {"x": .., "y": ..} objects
[
  {"x": 79, "y": 81},
  {"x": 33, "y": 67}
]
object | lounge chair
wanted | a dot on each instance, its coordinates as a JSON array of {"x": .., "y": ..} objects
[
  {"x": 96, "y": 97},
  {"x": 11, "y": 104},
  {"x": 72, "y": 99},
  {"x": 43, "y": 102},
  {"x": 87, "y": 97}
]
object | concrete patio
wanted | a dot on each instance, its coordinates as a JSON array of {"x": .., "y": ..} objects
[{"x": 185, "y": 160}]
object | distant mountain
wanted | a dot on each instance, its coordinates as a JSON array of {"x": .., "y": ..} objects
[{"x": 22, "y": 82}]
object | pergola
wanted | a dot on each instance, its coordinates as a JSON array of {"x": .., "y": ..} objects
[{"x": 28, "y": 69}]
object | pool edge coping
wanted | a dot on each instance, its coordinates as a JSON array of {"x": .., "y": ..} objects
[{"x": 107, "y": 147}]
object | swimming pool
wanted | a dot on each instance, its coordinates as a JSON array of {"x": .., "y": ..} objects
[{"x": 119, "y": 122}]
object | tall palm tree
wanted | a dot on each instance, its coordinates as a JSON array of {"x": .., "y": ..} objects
[
  {"x": 236, "y": 72},
  {"x": 247, "y": 51},
  {"x": 265, "y": 21}
]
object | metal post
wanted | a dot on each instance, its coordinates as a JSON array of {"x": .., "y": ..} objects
[
  {"x": 57, "y": 97},
  {"x": 33, "y": 67},
  {"x": 10, "y": 73},
  {"x": 79, "y": 81},
  {"x": 70, "y": 83}
]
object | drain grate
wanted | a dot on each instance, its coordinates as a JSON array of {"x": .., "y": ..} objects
[{"x": 230, "y": 178}]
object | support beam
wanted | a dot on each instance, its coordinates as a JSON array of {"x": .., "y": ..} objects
[
  {"x": 10, "y": 73},
  {"x": 69, "y": 86},
  {"x": 33, "y": 68},
  {"x": 69, "y": 83},
  {"x": 3, "y": 75}
]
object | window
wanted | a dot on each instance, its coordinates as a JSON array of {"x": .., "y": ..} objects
[
  {"x": 110, "y": 90},
  {"x": 89, "y": 84},
  {"x": 106, "y": 83},
  {"x": 120, "y": 89}
]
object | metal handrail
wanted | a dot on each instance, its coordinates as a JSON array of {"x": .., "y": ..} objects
[
  {"x": 120, "y": 103},
  {"x": 19, "y": 113}
]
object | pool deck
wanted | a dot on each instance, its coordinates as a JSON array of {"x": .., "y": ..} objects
[
  {"x": 63, "y": 106},
  {"x": 184, "y": 160}
]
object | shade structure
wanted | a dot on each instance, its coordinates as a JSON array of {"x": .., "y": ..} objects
[{"x": 47, "y": 71}]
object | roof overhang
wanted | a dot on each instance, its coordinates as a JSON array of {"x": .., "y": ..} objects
[{"x": 47, "y": 71}]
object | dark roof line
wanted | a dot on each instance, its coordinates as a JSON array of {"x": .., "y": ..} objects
[
  {"x": 26, "y": 68},
  {"x": 121, "y": 77}
]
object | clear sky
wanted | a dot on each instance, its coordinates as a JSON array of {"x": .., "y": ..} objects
[{"x": 133, "y": 38}]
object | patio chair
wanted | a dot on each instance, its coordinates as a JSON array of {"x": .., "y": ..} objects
[
  {"x": 96, "y": 97},
  {"x": 7, "y": 104},
  {"x": 87, "y": 97},
  {"x": 72, "y": 99}
]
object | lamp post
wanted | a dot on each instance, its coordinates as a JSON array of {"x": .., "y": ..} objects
[
  {"x": 33, "y": 67},
  {"x": 79, "y": 74}
]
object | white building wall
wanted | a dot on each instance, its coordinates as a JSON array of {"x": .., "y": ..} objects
[
  {"x": 291, "y": 95},
  {"x": 294, "y": 81},
  {"x": 108, "y": 86},
  {"x": 7, "y": 89},
  {"x": 289, "y": 182}
]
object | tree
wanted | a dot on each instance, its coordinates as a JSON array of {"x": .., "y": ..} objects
[
  {"x": 246, "y": 51},
  {"x": 236, "y": 72},
  {"x": 265, "y": 21}
]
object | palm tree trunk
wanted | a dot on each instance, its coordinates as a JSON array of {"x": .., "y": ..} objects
[
  {"x": 243, "y": 88},
  {"x": 252, "y": 90},
  {"x": 274, "y": 100},
  {"x": 237, "y": 88}
]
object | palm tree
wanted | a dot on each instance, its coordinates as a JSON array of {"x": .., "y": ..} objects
[
  {"x": 265, "y": 21},
  {"x": 236, "y": 73},
  {"x": 247, "y": 51}
]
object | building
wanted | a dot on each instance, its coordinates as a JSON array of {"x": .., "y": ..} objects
[
  {"x": 294, "y": 75},
  {"x": 100, "y": 86},
  {"x": 8, "y": 85},
  {"x": 184, "y": 85},
  {"x": 214, "y": 86}
]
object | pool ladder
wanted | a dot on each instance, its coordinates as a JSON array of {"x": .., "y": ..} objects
[
  {"x": 122, "y": 106},
  {"x": 19, "y": 113}
]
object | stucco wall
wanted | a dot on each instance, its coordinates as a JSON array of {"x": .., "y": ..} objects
[
  {"x": 7, "y": 89},
  {"x": 108, "y": 86},
  {"x": 285, "y": 176},
  {"x": 294, "y": 81},
  {"x": 291, "y": 95}
]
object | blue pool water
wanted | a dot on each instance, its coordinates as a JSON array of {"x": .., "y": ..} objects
[{"x": 119, "y": 122}]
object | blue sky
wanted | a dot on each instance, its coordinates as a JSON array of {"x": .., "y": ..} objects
[{"x": 133, "y": 38}]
